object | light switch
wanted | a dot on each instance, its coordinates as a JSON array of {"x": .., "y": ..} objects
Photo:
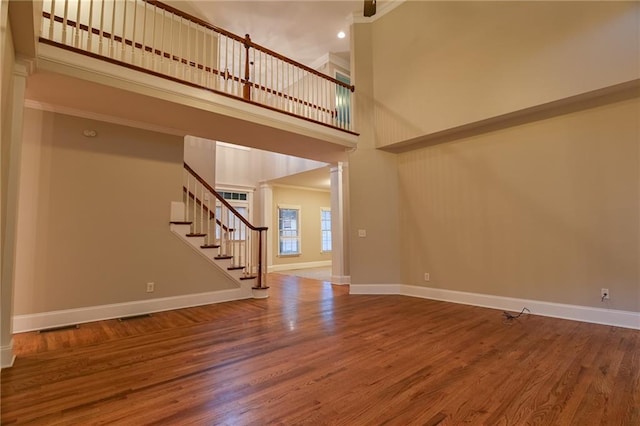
[{"x": 362, "y": 233}]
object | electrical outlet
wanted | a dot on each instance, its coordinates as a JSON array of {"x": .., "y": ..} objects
[
  {"x": 604, "y": 294},
  {"x": 150, "y": 287},
  {"x": 426, "y": 276}
]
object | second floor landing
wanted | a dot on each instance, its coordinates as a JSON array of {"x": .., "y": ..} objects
[{"x": 66, "y": 79}]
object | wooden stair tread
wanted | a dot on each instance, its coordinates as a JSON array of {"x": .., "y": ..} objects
[
  {"x": 223, "y": 257},
  {"x": 249, "y": 277},
  {"x": 207, "y": 246},
  {"x": 195, "y": 235},
  {"x": 235, "y": 268},
  {"x": 180, "y": 223}
]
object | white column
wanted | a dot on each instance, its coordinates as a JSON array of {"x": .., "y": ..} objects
[
  {"x": 9, "y": 234},
  {"x": 266, "y": 219},
  {"x": 339, "y": 224}
]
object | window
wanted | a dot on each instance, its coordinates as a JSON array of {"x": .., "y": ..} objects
[
  {"x": 325, "y": 228},
  {"x": 242, "y": 196},
  {"x": 288, "y": 230},
  {"x": 343, "y": 101},
  {"x": 240, "y": 202},
  {"x": 232, "y": 222}
]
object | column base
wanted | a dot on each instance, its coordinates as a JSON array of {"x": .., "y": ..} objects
[{"x": 260, "y": 292}]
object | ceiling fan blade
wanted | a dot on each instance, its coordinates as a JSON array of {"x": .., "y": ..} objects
[{"x": 369, "y": 7}]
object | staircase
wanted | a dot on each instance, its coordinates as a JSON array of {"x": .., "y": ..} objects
[{"x": 212, "y": 227}]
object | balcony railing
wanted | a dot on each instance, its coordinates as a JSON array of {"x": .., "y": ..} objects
[{"x": 150, "y": 36}]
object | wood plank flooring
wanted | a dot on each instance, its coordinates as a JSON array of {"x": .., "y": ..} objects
[{"x": 313, "y": 354}]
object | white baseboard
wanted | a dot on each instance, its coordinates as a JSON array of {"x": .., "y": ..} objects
[
  {"x": 589, "y": 314},
  {"x": 301, "y": 265},
  {"x": 22, "y": 323},
  {"x": 376, "y": 289},
  {"x": 340, "y": 279},
  {"x": 6, "y": 355}
]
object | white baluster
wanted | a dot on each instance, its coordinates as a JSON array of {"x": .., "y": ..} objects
[
  {"x": 76, "y": 42},
  {"x": 202, "y": 210},
  {"x": 171, "y": 54},
  {"x": 203, "y": 58},
  {"x": 123, "y": 42},
  {"x": 188, "y": 53},
  {"x": 212, "y": 60},
  {"x": 154, "y": 41},
  {"x": 135, "y": 25},
  {"x": 208, "y": 241},
  {"x": 112, "y": 29},
  {"x": 64, "y": 21},
  {"x": 223, "y": 230},
  {"x": 186, "y": 199},
  {"x": 52, "y": 19},
  {"x": 195, "y": 206},
  {"x": 180, "y": 52},
  {"x": 247, "y": 261},
  {"x": 162, "y": 37},
  {"x": 144, "y": 36}
]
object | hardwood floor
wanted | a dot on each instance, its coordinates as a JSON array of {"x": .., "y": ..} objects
[{"x": 313, "y": 354}]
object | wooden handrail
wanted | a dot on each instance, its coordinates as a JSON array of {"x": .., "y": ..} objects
[
  {"x": 188, "y": 83},
  {"x": 303, "y": 66},
  {"x": 247, "y": 41},
  {"x": 210, "y": 213},
  {"x": 184, "y": 61},
  {"x": 223, "y": 201},
  {"x": 317, "y": 109},
  {"x": 137, "y": 45},
  {"x": 194, "y": 19},
  {"x": 258, "y": 229}
]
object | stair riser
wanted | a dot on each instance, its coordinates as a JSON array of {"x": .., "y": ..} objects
[{"x": 195, "y": 242}]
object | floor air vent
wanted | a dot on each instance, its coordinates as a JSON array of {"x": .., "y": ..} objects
[
  {"x": 62, "y": 327},
  {"x": 132, "y": 317}
]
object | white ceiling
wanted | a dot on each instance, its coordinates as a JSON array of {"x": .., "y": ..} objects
[
  {"x": 316, "y": 179},
  {"x": 304, "y": 30}
]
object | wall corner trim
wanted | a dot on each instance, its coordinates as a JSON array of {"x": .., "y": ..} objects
[
  {"x": 341, "y": 279},
  {"x": 300, "y": 265},
  {"x": 618, "y": 318},
  {"x": 7, "y": 357}
]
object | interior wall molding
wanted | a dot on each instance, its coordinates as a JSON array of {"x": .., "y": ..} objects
[
  {"x": 39, "y": 321},
  {"x": 7, "y": 357},
  {"x": 341, "y": 279},
  {"x": 301, "y": 265},
  {"x": 614, "y": 317}
]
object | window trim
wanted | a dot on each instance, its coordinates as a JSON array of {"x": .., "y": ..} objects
[
  {"x": 299, "y": 229},
  {"x": 322, "y": 231}
]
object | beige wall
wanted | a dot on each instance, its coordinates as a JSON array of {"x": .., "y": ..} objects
[
  {"x": 310, "y": 203},
  {"x": 6, "y": 130},
  {"x": 200, "y": 155},
  {"x": 8, "y": 61},
  {"x": 94, "y": 212},
  {"x": 439, "y": 65},
  {"x": 545, "y": 211},
  {"x": 248, "y": 167},
  {"x": 373, "y": 181}
]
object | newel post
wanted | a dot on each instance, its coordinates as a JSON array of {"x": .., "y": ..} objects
[
  {"x": 246, "y": 90},
  {"x": 261, "y": 290}
]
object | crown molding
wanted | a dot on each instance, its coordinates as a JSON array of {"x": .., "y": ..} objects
[{"x": 330, "y": 58}]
